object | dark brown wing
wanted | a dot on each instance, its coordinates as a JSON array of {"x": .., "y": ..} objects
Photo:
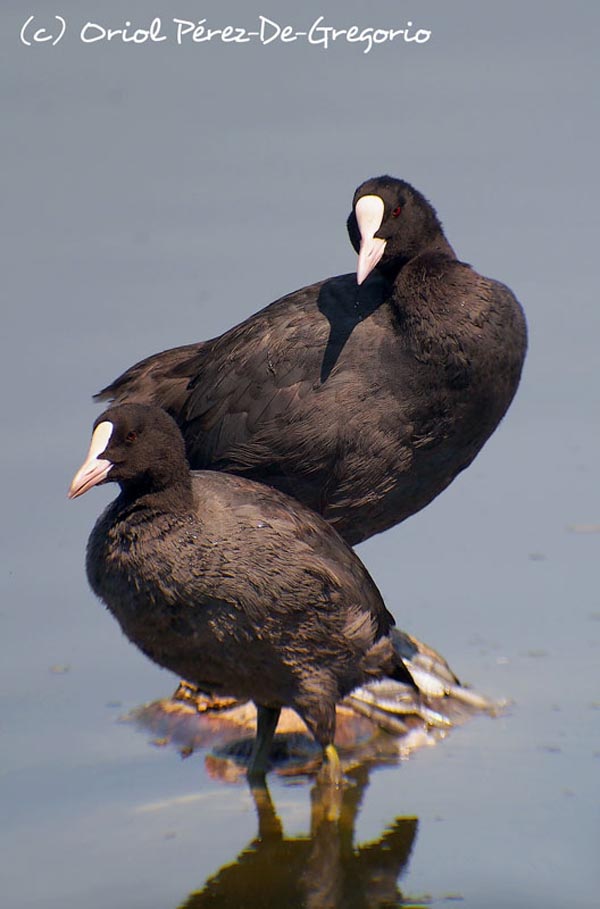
[
  {"x": 255, "y": 375},
  {"x": 290, "y": 553},
  {"x": 161, "y": 379},
  {"x": 263, "y": 399}
]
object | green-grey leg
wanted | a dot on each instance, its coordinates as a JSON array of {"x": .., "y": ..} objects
[{"x": 266, "y": 724}]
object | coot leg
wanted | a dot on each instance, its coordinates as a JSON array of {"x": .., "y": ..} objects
[
  {"x": 266, "y": 724},
  {"x": 332, "y": 766},
  {"x": 328, "y": 792}
]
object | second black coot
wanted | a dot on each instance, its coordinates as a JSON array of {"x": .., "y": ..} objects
[
  {"x": 233, "y": 585},
  {"x": 363, "y": 402}
]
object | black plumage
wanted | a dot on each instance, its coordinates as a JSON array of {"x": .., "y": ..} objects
[
  {"x": 231, "y": 584},
  {"x": 363, "y": 402}
]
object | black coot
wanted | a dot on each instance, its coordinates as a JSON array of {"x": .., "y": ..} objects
[
  {"x": 363, "y": 402},
  {"x": 235, "y": 586}
]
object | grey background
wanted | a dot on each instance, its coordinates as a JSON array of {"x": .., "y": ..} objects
[{"x": 156, "y": 195}]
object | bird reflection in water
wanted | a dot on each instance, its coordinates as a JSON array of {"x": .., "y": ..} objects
[{"x": 324, "y": 870}]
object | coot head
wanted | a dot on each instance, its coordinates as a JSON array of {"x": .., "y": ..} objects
[
  {"x": 135, "y": 445},
  {"x": 390, "y": 223}
]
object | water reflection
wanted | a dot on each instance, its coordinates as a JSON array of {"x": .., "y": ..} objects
[{"x": 324, "y": 870}]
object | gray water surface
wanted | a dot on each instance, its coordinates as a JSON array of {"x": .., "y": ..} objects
[{"x": 154, "y": 195}]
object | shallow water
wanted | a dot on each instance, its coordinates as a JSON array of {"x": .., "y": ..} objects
[{"x": 154, "y": 196}]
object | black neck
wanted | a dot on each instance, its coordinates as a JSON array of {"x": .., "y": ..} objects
[
  {"x": 150, "y": 491},
  {"x": 438, "y": 246}
]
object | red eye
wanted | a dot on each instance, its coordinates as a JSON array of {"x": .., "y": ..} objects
[
  {"x": 131, "y": 436},
  {"x": 396, "y": 211}
]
